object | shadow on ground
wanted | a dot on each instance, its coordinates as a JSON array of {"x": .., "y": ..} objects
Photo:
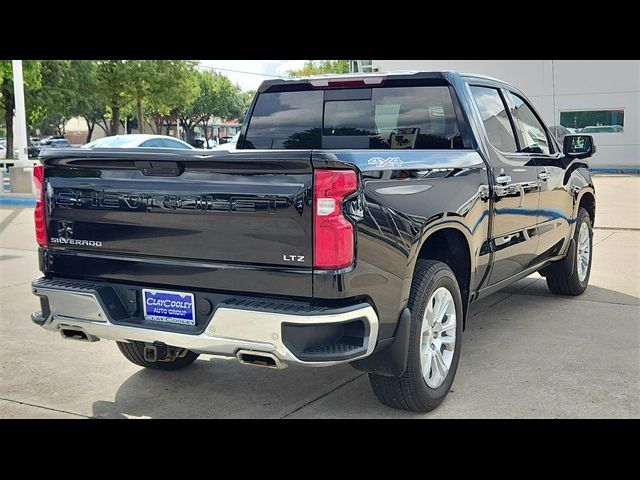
[
  {"x": 593, "y": 293},
  {"x": 221, "y": 389},
  {"x": 536, "y": 349}
]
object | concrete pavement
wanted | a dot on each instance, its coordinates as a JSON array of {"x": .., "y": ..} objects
[{"x": 525, "y": 353}]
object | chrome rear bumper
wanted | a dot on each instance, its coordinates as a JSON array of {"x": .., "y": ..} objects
[{"x": 230, "y": 329}]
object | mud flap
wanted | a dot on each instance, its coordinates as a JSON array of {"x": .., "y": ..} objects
[
  {"x": 565, "y": 266},
  {"x": 391, "y": 361}
]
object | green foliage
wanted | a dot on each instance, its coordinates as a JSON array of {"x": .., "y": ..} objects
[
  {"x": 116, "y": 81},
  {"x": 172, "y": 85},
  {"x": 52, "y": 105},
  {"x": 173, "y": 89},
  {"x": 217, "y": 97},
  {"x": 69, "y": 88},
  {"x": 31, "y": 73},
  {"x": 105, "y": 92},
  {"x": 317, "y": 67},
  {"x": 159, "y": 86},
  {"x": 246, "y": 98}
]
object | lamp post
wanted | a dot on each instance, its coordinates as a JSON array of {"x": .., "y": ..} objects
[{"x": 20, "y": 121}]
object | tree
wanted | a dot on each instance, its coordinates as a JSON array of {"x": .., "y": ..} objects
[
  {"x": 246, "y": 98},
  {"x": 90, "y": 102},
  {"x": 56, "y": 101},
  {"x": 32, "y": 79},
  {"x": 174, "y": 86},
  {"x": 116, "y": 82},
  {"x": 317, "y": 67},
  {"x": 162, "y": 84},
  {"x": 69, "y": 88},
  {"x": 217, "y": 97}
]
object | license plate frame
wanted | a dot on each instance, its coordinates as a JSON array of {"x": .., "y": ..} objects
[{"x": 169, "y": 306}]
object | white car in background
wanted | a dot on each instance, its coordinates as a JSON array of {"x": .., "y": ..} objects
[
  {"x": 139, "y": 140},
  {"x": 230, "y": 145}
]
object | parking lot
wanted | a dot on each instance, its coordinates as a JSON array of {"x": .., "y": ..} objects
[{"x": 525, "y": 353}]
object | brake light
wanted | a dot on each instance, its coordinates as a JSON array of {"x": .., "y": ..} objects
[
  {"x": 346, "y": 81},
  {"x": 332, "y": 233},
  {"x": 39, "y": 212}
]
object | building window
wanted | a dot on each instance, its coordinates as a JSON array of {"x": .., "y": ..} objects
[
  {"x": 361, "y": 66},
  {"x": 593, "y": 121}
]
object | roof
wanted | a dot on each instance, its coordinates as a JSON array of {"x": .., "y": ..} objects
[
  {"x": 446, "y": 75},
  {"x": 399, "y": 74},
  {"x": 141, "y": 136}
]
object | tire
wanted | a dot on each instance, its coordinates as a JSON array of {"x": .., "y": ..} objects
[
  {"x": 134, "y": 352},
  {"x": 564, "y": 277},
  {"x": 411, "y": 391}
]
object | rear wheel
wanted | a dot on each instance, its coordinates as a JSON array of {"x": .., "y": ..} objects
[
  {"x": 571, "y": 275},
  {"x": 435, "y": 304},
  {"x": 134, "y": 352}
]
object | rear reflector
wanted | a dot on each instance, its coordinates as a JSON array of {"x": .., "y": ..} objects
[
  {"x": 39, "y": 212},
  {"x": 332, "y": 233}
]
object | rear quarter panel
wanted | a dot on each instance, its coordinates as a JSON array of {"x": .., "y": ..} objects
[{"x": 407, "y": 196}]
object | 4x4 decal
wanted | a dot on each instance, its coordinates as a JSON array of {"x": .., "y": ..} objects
[{"x": 388, "y": 162}]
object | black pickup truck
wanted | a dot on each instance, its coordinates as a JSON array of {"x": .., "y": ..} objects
[{"x": 355, "y": 222}]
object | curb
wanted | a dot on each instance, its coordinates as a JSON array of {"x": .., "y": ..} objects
[
  {"x": 615, "y": 170},
  {"x": 17, "y": 202}
]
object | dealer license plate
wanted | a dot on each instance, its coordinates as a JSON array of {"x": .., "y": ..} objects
[{"x": 171, "y": 307}]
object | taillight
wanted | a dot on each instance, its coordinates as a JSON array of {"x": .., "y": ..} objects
[
  {"x": 39, "y": 212},
  {"x": 332, "y": 234}
]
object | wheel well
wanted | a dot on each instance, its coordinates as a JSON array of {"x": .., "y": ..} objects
[
  {"x": 588, "y": 201},
  {"x": 450, "y": 246}
]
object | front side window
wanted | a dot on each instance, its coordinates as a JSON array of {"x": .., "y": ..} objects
[
  {"x": 531, "y": 133},
  {"x": 496, "y": 121},
  {"x": 379, "y": 118}
]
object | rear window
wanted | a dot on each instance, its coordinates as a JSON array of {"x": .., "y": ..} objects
[{"x": 375, "y": 118}]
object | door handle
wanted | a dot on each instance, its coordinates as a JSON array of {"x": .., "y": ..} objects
[
  {"x": 544, "y": 175},
  {"x": 502, "y": 187}
]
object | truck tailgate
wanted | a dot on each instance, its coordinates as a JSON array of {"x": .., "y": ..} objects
[{"x": 220, "y": 212}]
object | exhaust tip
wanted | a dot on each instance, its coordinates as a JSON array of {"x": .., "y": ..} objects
[
  {"x": 76, "y": 333},
  {"x": 260, "y": 359}
]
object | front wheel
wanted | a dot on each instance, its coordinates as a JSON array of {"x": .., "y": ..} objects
[
  {"x": 571, "y": 275},
  {"x": 435, "y": 304}
]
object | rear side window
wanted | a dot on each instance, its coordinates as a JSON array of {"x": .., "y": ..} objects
[
  {"x": 495, "y": 118},
  {"x": 154, "y": 143},
  {"x": 378, "y": 118},
  {"x": 286, "y": 120},
  {"x": 168, "y": 143}
]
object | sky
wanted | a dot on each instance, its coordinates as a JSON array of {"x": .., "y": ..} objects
[{"x": 250, "y": 73}]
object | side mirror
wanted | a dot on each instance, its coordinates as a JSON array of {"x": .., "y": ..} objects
[{"x": 578, "y": 146}]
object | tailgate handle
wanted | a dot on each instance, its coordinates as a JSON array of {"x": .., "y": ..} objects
[{"x": 159, "y": 169}]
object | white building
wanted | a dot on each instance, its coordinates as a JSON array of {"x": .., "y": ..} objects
[{"x": 576, "y": 94}]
